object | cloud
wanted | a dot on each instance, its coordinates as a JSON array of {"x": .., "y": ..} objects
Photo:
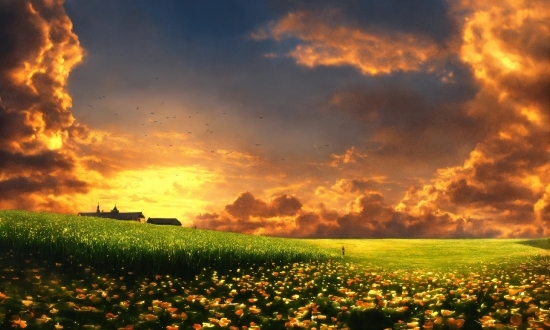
[
  {"x": 323, "y": 42},
  {"x": 403, "y": 123},
  {"x": 414, "y": 102},
  {"x": 248, "y": 214},
  {"x": 357, "y": 185},
  {"x": 506, "y": 177},
  {"x": 350, "y": 156},
  {"x": 367, "y": 216},
  {"x": 37, "y": 130},
  {"x": 491, "y": 142},
  {"x": 246, "y": 205}
]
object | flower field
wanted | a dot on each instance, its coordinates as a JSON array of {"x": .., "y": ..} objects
[{"x": 323, "y": 293}]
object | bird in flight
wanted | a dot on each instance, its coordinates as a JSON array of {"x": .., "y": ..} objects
[
  {"x": 257, "y": 144},
  {"x": 137, "y": 108},
  {"x": 143, "y": 124},
  {"x": 167, "y": 117},
  {"x": 152, "y": 112}
]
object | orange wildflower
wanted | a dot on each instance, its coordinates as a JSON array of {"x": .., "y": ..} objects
[{"x": 224, "y": 322}]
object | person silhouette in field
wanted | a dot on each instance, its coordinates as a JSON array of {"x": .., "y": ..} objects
[{"x": 343, "y": 251}]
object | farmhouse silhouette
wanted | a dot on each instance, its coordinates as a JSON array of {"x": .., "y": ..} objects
[{"x": 130, "y": 216}]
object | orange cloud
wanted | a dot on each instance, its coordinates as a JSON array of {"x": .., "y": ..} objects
[
  {"x": 36, "y": 128},
  {"x": 506, "y": 178},
  {"x": 350, "y": 156},
  {"x": 367, "y": 216},
  {"x": 325, "y": 43},
  {"x": 253, "y": 216}
]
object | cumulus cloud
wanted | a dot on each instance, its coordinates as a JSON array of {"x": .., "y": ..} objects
[
  {"x": 36, "y": 128},
  {"x": 246, "y": 205},
  {"x": 506, "y": 177},
  {"x": 366, "y": 216},
  {"x": 248, "y": 214}
]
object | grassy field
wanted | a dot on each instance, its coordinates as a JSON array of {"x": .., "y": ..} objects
[
  {"x": 107, "y": 243},
  {"x": 67, "y": 272},
  {"x": 435, "y": 254}
]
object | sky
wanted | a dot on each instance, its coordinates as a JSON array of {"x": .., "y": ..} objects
[{"x": 352, "y": 119}]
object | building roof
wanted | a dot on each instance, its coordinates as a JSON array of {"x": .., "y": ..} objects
[
  {"x": 114, "y": 215},
  {"x": 164, "y": 221}
]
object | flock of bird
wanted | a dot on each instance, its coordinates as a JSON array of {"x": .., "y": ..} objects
[{"x": 210, "y": 131}]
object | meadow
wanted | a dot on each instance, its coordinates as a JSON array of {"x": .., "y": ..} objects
[
  {"x": 142, "y": 247},
  {"x": 65, "y": 272},
  {"x": 455, "y": 255}
]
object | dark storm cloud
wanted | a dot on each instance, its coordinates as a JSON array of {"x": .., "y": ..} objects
[
  {"x": 38, "y": 51},
  {"x": 40, "y": 185},
  {"x": 12, "y": 127},
  {"x": 19, "y": 35},
  {"x": 409, "y": 125},
  {"x": 44, "y": 162}
]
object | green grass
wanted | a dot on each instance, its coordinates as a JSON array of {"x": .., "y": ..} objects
[
  {"x": 258, "y": 282},
  {"x": 435, "y": 254},
  {"x": 175, "y": 249},
  {"x": 116, "y": 244}
]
